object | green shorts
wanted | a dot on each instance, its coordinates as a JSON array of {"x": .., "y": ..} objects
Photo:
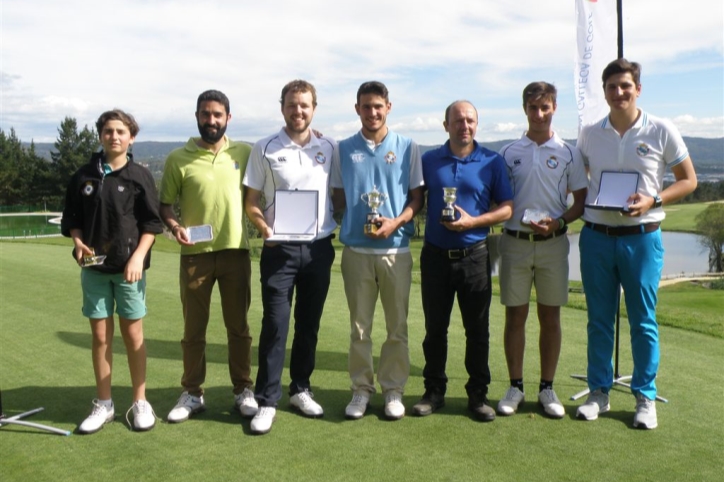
[{"x": 102, "y": 292}]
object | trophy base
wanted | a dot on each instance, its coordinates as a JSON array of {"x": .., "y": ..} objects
[
  {"x": 371, "y": 228},
  {"x": 448, "y": 215}
]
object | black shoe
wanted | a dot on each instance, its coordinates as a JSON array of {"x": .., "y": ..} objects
[
  {"x": 431, "y": 401},
  {"x": 479, "y": 405}
]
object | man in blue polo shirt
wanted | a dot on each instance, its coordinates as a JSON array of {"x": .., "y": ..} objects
[{"x": 455, "y": 258}]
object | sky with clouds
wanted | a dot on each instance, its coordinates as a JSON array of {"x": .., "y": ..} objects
[{"x": 153, "y": 57}]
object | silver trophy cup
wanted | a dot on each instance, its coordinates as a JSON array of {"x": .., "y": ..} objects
[
  {"x": 374, "y": 199},
  {"x": 449, "y": 195}
]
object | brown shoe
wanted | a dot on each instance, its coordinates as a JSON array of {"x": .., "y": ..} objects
[
  {"x": 480, "y": 407},
  {"x": 430, "y": 402}
]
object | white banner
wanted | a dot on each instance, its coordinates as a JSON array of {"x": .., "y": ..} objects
[{"x": 597, "y": 37}]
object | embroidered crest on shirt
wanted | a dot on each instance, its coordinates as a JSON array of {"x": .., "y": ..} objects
[
  {"x": 552, "y": 162},
  {"x": 390, "y": 158},
  {"x": 88, "y": 188},
  {"x": 642, "y": 150},
  {"x": 320, "y": 158},
  {"x": 357, "y": 157},
  {"x": 121, "y": 188}
]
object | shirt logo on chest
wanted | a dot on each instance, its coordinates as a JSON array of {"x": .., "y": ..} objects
[
  {"x": 281, "y": 159},
  {"x": 642, "y": 149},
  {"x": 88, "y": 188},
  {"x": 390, "y": 158},
  {"x": 320, "y": 158},
  {"x": 552, "y": 162},
  {"x": 357, "y": 157}
]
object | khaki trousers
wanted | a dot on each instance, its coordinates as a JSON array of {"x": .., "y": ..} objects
[
  {"x": 198, "y": 275},
  {"x": 367, "y": 276}
]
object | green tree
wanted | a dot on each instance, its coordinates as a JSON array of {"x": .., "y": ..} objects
[
  {"x": 710, "y": 224},
  {"x": 23, "y": 174},
  {"x": 11, "y": 152},
  {"x": 73, "y": 149}
]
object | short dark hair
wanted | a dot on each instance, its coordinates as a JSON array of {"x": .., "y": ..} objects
[
  {"x": 538, "y": 90},
  {"x": 299, "y": 86},
  {"x": 452, "y": 104},
  {"x": 622, "y": 66},
  {"x": 373, "y": 87},
  {"x": 119, "y": 115},
  {"x": 213, "y": 96}
]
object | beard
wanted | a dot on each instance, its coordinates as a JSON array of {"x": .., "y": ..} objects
[{"x": 209, "y": 136}]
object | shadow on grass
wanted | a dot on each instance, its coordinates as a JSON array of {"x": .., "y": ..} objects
[{"x": 215, "y": 352}]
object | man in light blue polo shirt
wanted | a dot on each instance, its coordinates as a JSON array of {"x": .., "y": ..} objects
[{"x": 378, "y": 262}]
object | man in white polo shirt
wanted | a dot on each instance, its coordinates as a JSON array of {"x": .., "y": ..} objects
[
  {"x": 623, "y": 248},
  {"x": 292, "y": 159},
  {"x": 542, "y": 169}
]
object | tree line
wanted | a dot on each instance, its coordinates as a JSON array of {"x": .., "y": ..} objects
[{"x": 28, "y": 179}]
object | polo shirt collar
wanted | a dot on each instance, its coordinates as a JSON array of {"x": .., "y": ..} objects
[
  {"x": 642, "y": 121},
  {"x": 288, "y": 142},
  {"x": 527, "y": 141},
  {"x": 193, "y": 147},
  {"x": 472, "y": 157}
]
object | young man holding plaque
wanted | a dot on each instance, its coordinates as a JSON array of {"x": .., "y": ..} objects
[
  {"x": 542, "y": 169},
  {"x": 383, "y": 168},
  {"x": 455, "y": 259},
  {"x": 111, "y": 212},
  {"x": 205, "y": 177},
  {"x": 623, "y": 248},
  {"x": 290, "y": 160}
]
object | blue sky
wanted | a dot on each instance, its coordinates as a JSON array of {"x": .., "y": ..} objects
[{"x": 151, "y": 57}]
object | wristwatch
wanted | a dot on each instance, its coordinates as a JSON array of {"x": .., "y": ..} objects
[{"x": 657, "y": 202}]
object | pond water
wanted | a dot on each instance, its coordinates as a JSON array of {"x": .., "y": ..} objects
[
  {"x": 682, "y": 254},
  {"x": 37, "y": 224}
]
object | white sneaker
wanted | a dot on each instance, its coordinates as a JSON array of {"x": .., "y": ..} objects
[
  {"x": 508, "y": 405},
  {"x": 304, "y": 402},
  {"x": 246, "y": 403},
  {"x": 262, "y": 421},
  {"x": 143, "y": 416},
  {"x": 100, "y": 416},
  {"x": 597, "y": 402},
  {"x": 394, "y": 409},
  {"x": 357, "y": 407},
  {"x": 186, "y": 406},
  {"x": 551, "y": 405},
  {"x": 645, "y": 413}
]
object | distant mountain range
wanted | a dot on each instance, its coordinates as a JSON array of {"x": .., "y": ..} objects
[{"x": 707, "y": 154}]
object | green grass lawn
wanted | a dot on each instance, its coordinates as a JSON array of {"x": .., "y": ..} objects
[{"x": 45, "y": 361}]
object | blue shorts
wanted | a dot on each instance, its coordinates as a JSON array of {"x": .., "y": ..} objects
[{"x": 102, "y": 292}]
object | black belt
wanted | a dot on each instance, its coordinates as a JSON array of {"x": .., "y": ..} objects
[
  {"x": 456, "y": 253},
  {"x": 536, "y": 237},
  {"x": 624, "y": 230}
]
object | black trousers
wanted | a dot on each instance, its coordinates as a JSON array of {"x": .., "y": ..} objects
[
  {"x": 469, "y": 279},
  {"x": 285, "y": 267}
]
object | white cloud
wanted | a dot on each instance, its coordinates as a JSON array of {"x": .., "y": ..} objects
[{"x": 153, "y": 58}]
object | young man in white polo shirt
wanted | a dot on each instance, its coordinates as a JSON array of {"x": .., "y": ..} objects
[
  {"x": 542, "y": 169},
  {"x": 292, "y": 159},
  {"x": 623, "y": 248}
]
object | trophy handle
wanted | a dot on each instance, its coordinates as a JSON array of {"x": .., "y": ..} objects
[{"x": 364, "y": 198}]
